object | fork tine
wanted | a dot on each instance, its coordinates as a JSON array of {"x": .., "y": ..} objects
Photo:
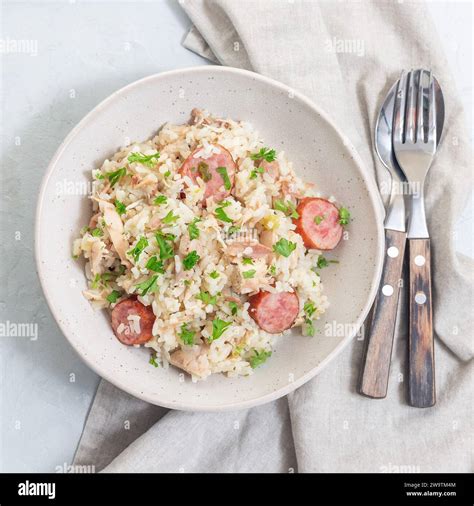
[
  {"x": 432, "y": 110},
  {"x": 411, "y": 109},
  {"x": 420, "y": 119},
  {"x": 399, "y": 112}
]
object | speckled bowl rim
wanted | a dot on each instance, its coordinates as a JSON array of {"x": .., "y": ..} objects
[{"x": 374, "y": 201}]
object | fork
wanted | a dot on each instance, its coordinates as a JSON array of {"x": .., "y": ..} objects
[{"x": 415, "y": 142}]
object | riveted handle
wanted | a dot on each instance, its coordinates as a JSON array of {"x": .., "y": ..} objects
[
  {"x": 374, "y": 377},
  {"x": 422, "y": 393}
]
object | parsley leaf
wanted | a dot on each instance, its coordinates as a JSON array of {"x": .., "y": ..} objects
[
  {"x": 272, "y": 270},
  {"x": 161, "y": 199},
  {"x": 247, "y": 261},
  {"x": 221, "y": 214},
  {"x": 344, "y": 216},
  {"x": 214, "y": 274},
  {"x": 309, "y": 329},
  {"x": 112, "y": 297},
  {"x": 223, "y": 172},
  {"x": 233, "y": 229},
  {"x": 97, "y": 232},
  {"x": 233, "y": 308},
  {"x": 190, "y": 260},
  {"x": 249, "y": 274},
  {"x": 309, "y": 308},
  {"x": 259, "y": 358},
  {"x": 120, "y": 207},
  {"x": 218, "y": 328},
  {"x": 264, "y": 154},
  {"x": 138, "y": 248},
  {"x": 207, "y": 298},
  {"x": 319, "y": 219},
  {"x": 169, "y": 218},
  {"x": 167, "y": 173},
  {"x": 287, "y": 208},
  {"x": 324, "y": 262},
  {"x": 284, "y": 247},
  {"x": 186, "y": 335},
  {"x": 113, "y": 177},
  {"x": 148, "y": 160},
  {"x": 155, "y": 265},
  {"x": 148, "y": 286},
  {"x": 153, "y": 361},
  {"x": 193, "y": 229},
  {"x": 166, "y": 249}
]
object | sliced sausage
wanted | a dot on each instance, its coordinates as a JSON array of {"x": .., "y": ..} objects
[
  {"x": 274, "y": 312},
  {"x": 206, "y": 168},
  {"x": 270, "y": 168},
  {"x": 124, "y": 328},
  {"x": 318, "y": 223}
]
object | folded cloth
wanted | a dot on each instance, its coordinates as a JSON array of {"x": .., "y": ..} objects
[{"x": 344, "y": 56}]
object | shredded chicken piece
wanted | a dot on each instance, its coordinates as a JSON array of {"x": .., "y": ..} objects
[
  {"x": 243, "y": 285},
  {"x": 114, "y": 226},
  {"x": 96, "y": 257},
  {"x": 192, "y": 359}
]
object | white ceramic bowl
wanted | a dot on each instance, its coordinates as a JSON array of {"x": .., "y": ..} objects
[{"x": 286, "y": 121}]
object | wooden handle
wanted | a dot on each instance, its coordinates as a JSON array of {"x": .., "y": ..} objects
[
  {"x": 422, "y": 393},
  {"x": 374, "y": 378}
]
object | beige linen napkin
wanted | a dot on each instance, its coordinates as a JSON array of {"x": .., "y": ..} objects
[{"x": 344, "y": 56}]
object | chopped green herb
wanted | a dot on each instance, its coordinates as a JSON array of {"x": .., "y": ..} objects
[
  {"x": 95, "y": 281},
  {"x": 148, "y": 160},
  {"x": 344, "y": 216},
  {"x": 166, "y": 249},
  {"x": 247, "y": 261},
  {"x": 319, "y": 219},
  {"x": 97, "y": 232},
  {"x": 272, "y": 270},
  {"x": 259, "y": 358},
  {"x": 169, "y": 218},
  {"x": 186, "y": 335},
  {"x": 221, "y": 214},
  {"x": 214, "y": 274},
  {"x": 187, "y": 282},
  {"x": 161, "y": 199},
  {"x": 324, "y": 262},
  {"x": 113, "y": 177},
  {"x": 155, "y": 265},
  {"x": 218, "y": 328},
  {"x": 249, "y": 274},
  {"x": 207, "y": 298},
  {"x": 167, "y": 173},
  {"x": 309, "y": 308},
  {"x": 223, "y": 172},
  {"x": 203, "y": 170},
  {"x": 284, "y": 247},
  {"x": 112, "y": 297},
  {"x": 253, "y": 174},
  {"x": 138, "y": 248},
  {"x": 233, "y": 308},
  {"x": 264, "y": 154},
  {"x": 193, "y": 229},
  {"x": 99, "y": 175},
  {"x": 120, "y": 207},
  {"x": 148, "y": 286},
  {"x": 309, "y": 327},
  {"x": 190, "y": 260},
  {"x": 153, "y": 361},
  {"x": 287, "y": 208}
]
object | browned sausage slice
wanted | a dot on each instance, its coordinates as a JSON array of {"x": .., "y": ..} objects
[
  {"x": 209, "y": 170},
  {"x": 124, "y": 328},
  {"x": 318, "y": 223},
  {"x": 274, "y": 312}
]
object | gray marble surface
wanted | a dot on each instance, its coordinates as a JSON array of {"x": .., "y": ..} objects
[{"x": 77, "y": 54}]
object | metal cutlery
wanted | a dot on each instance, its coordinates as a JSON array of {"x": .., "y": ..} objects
[
  {"x": 375, "y": 373},
  {"x": 418, "y": 118}
]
